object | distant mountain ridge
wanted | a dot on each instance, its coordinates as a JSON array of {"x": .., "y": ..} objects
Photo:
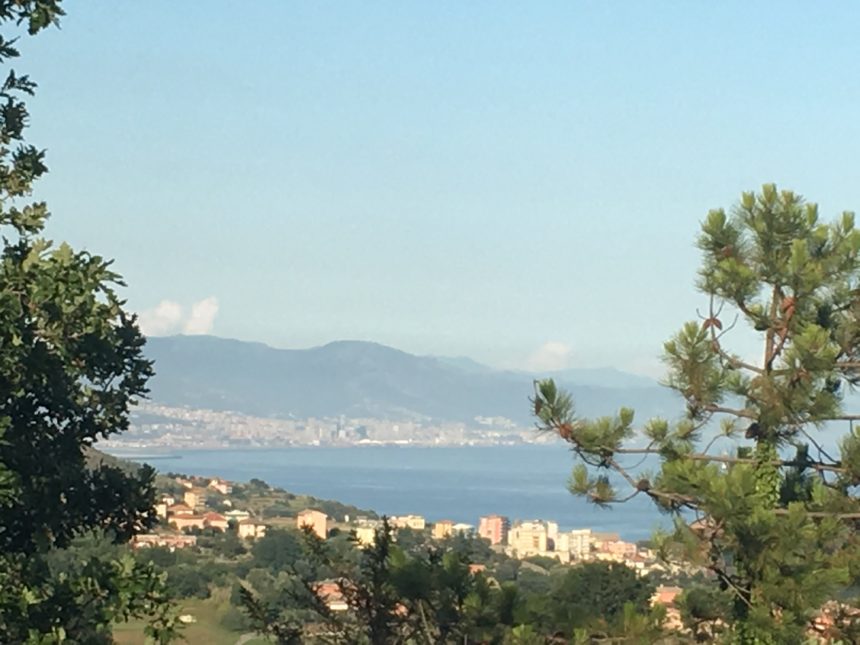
[{"x": 364, "y": 379}]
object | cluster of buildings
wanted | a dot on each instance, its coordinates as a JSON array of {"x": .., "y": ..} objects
[
  {"x": 194, "y": 509},
  {"x": 519, "y": 540},
  {"x": 524, "y": 539},
  {"x": 363, "y": 528},
  {"x": 162, "y": 427},
  {"x": 180, "y": 514}
]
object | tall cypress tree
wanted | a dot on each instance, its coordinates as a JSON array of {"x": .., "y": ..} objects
[{"x": 758, "y": 498}]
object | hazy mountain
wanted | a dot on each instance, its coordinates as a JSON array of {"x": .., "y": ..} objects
[
  {"x": 597, "y": 376},
  {"x": 367, "y": 379},
  {"x": 464, "y": 363}
]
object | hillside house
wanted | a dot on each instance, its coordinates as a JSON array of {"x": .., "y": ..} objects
[
  {"x": 331, "y": 595},
  {"x": 215, "y": 521},
  {"x": 250, "y": 529},
  {"x": 179, "y": 509},
  {"x": 236, "y": 515},
  {"x": 223, "y": 487},
  {"x": 316, "y": 520},
  {"x": 666, "y": 596},
  {"x": 183, "y": 522}
]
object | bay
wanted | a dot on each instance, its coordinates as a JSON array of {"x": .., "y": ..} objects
[{"x": 456, "y": 483}]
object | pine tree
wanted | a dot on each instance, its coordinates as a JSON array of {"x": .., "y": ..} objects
[{"x": 758, "y": 499}]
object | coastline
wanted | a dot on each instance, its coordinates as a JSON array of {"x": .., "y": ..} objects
[{"x": 460, "y": 483}]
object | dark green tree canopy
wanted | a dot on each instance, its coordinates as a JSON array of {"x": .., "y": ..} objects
[
  {"x": 428, "y": 593},
  {"x": 71, "y": 365}
]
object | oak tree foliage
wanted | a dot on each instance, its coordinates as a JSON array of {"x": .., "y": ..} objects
[{"x": 71, "y": 365}]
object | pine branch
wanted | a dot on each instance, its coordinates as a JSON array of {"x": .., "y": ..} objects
[{"x": 725, "y": 459}]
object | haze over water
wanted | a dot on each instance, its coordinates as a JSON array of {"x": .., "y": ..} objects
[{"x": 458, "y": 483}]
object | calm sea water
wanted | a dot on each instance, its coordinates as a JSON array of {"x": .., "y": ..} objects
[{"x": 458, "y": 483}]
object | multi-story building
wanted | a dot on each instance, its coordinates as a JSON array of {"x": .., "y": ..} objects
[
  {"x": 442, "y": 529},
  {"x": 365, "y": 535},
  {"x": 579, "y": 543},
  {"x": 415, "y": 522},
  {"x": 494, "y": 528},
  {"x": 551, "y": 535},
  {"x": 316, "y": 520},
  {"x": 562, "y": 543},
  {"x": 600, "y": 539},
  {"x": 609, "y": 546},
  {"x": 528, "y": 538},
  {"x": 195, "y": 498}
]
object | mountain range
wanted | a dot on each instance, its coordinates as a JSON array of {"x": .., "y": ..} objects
[{"x": 363, "y": 379}]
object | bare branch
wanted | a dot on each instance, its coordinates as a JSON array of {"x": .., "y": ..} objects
[
  {"x": 717, "y": 409},
  {"x": 733, "y": 361},
  {"x": 835, "y": 467},
  {"x": 818, "y": 447}
]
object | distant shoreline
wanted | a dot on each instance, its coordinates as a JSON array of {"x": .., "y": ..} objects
[
  {"x": 141, "y": 455},
  {"x": 455, "y": 482},
  {"x": 126, "y": 453}
]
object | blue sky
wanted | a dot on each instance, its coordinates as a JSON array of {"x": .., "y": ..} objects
[{"x": 517, "y": 182}]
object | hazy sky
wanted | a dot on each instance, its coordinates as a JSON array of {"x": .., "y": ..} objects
[{"x": 521, "y": 183}]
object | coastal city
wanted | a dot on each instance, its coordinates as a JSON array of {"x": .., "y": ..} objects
[{"x": 163, "y": 428}]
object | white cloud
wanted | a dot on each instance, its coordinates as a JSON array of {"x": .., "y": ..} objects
[
  {"x": 169, "y": 317},
  {"x": 552, "y": 355},
  {"x": 202, "y": 316},
  {"x": 164, "y": 318}
]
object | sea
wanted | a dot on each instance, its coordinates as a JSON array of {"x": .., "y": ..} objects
[{"x": 460, "y": 483}]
